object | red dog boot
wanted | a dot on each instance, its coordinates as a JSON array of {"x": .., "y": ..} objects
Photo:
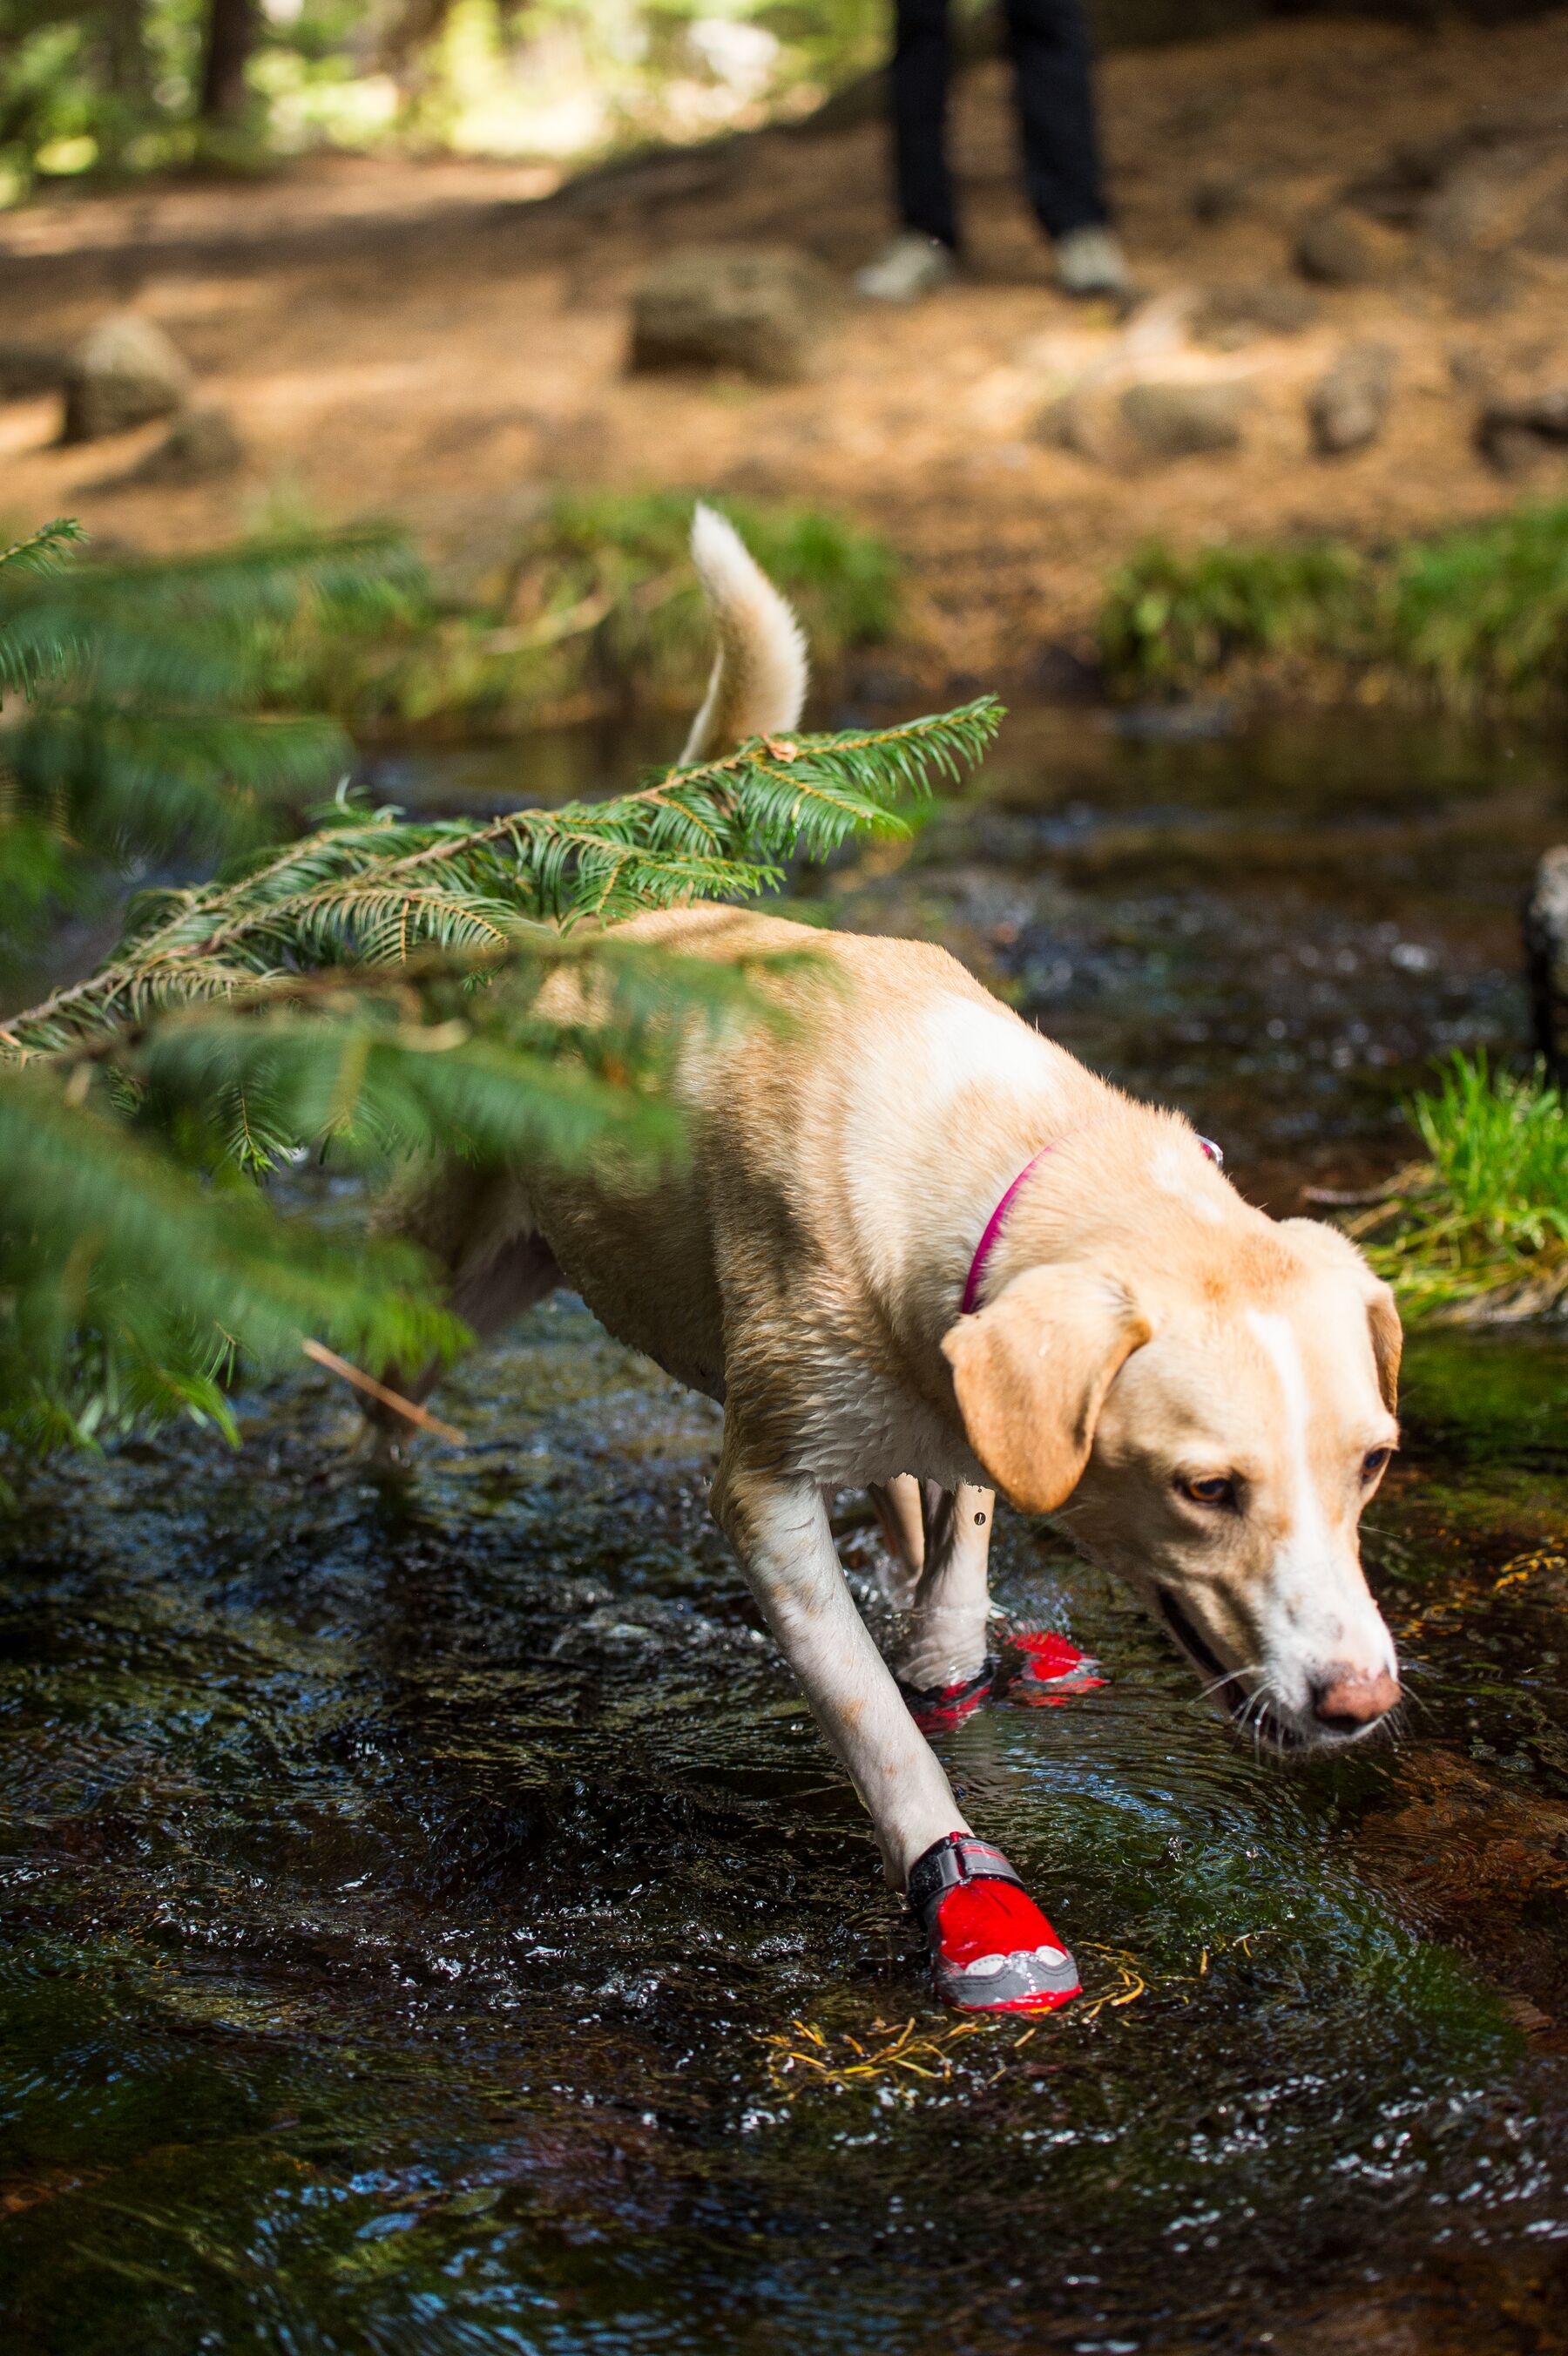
[
  {"x": 1040, "y": 1669},
  {"x": 992, "y": 1950},
  {"x": 937, "y": 1709}
]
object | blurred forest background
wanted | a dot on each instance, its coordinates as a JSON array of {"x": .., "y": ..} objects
[
  {"x": 130, "y": 86},
  {"x": 137, "y": 85}
]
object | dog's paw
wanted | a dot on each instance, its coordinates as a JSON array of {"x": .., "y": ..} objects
[
  {"x": 1043, "y": 1670},
  {"x": 992, "y": 1950},
  {"x": 936, "y": 1709}
]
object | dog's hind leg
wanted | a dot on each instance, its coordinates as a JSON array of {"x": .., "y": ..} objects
[
  {"x": 900, "y": 1509},
  {"x": 476, "y": 1227},
  {"x": 943, "y": 1669}
]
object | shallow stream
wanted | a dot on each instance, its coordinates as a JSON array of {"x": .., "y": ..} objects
[{"x": 434, "y": 1923}]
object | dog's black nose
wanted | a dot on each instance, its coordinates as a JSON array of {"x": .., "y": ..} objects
[{"x": 1348, "y": 1700}]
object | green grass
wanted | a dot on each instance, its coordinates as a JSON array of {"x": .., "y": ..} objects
[
  {"x": 595, "y": 608},
  {"x": 1485, "y": 1215},
  {"x": 1470, "y": 617}
]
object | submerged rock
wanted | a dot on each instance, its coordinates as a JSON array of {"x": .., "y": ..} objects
[
  {"x": 761, "y": 310},
  {"x": 125, "y": 372},
  {"x": 1348, "y": 407}
]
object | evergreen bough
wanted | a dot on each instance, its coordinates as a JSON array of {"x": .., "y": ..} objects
[{"x": 362, "y": 995}]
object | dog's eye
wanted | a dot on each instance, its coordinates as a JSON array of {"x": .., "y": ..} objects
[
  {"x": 1210, "y": 1489},
  {"x": 1373, "y": 1462}
]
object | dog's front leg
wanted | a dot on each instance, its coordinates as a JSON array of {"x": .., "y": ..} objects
[
  {"x": 991, "y": 1948},
  {"x": 779, "y": 1528}
]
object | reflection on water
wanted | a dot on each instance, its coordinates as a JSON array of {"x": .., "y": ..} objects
[{"x": 403, "y": 1889}]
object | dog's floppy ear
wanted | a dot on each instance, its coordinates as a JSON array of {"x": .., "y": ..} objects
[
  {"x": 1032, "y": 1370},
  {"x": 1388, "y": 1340},
  {"x": 1327, "y": 1246}
]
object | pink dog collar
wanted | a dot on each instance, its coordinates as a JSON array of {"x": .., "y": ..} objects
[{"x": 987, "y": 1242}]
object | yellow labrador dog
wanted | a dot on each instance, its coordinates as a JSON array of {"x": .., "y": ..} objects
[{"x": 919, "y": 1247}]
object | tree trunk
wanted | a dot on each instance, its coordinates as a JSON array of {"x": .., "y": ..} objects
[{"x": 231, "y": 35}]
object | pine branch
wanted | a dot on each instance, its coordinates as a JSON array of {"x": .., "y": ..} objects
[
  {"x": 146, "y": 682},
  {"x": 371, "y": 991},
  {"x": 42, "y": 549},
  {"x": 379, "y": 892},
  {"x": 124, "y": 1282}
]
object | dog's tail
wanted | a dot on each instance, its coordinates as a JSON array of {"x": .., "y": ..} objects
[{"x": 759, "y": 679}]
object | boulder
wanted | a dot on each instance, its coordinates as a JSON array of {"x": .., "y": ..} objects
[
  {"x": 200, "y": 443},
  {"x": 125, "y": 372},
  {"x": 1181, "y": 419},
  {"x": 1338, "y": 248},
  {"x": 1348, "y": 407},
  {"x": 1237, "y": 314},
  {"x": 1516, "y": 435},
  {"x": 761, "y": 310},
  {"x": 29, "y": 370},
  {"x": 1546, "y": 959},
  {"x": 1475, "y": 208}
]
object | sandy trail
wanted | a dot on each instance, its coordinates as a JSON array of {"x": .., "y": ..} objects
[{"x": 436, "y": 341}]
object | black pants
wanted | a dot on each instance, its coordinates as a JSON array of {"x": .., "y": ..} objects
[{"x": 1056, "y": 112}]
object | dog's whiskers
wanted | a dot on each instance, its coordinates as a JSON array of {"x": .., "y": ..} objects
[{"x": 1228, "y": 1678}]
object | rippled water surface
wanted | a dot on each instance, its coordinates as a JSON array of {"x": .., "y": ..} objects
[{"x": 433, "y": 1922}]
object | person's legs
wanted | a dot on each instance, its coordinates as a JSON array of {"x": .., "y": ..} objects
[
  {"x": 1056, "y": 110},
  {"x": 920, "y": 72}
]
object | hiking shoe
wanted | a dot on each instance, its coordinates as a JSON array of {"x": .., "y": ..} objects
[
  {"x": 912, "y": 266},
  {"x": 1091, "y": 261}
]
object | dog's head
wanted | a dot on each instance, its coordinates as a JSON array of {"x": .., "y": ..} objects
[{"x": 1212, "y": 1432}]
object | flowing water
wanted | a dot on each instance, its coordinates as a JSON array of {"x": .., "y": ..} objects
[{"x": 434, "y": 1923}]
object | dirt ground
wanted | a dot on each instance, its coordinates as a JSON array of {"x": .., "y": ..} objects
[{"x": 436, "y": 341}]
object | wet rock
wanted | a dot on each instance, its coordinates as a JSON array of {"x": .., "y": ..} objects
[
  {"x": 1481, "y": 1863},
  {"x": 1180, "y": 421},
  {"x": 1546, "y": 959},
  {"x": 29, "y": 370},
  {"x": 125, "y": 372},
  {"x": 1348, "y": 408},
  {"x": 1063, "y": 673},
  {"x": 761, "y": 310},
  {"x": 1516, "y": 435},
  {"x": 1338, "y": 248},
  {"x": 1231, "y": 316},
  {"x": 581, "y": 1594},
  {"x": 199, "y": 444}
]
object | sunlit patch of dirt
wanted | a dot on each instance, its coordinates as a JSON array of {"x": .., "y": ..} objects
[{"x": 433, "y": 340}]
